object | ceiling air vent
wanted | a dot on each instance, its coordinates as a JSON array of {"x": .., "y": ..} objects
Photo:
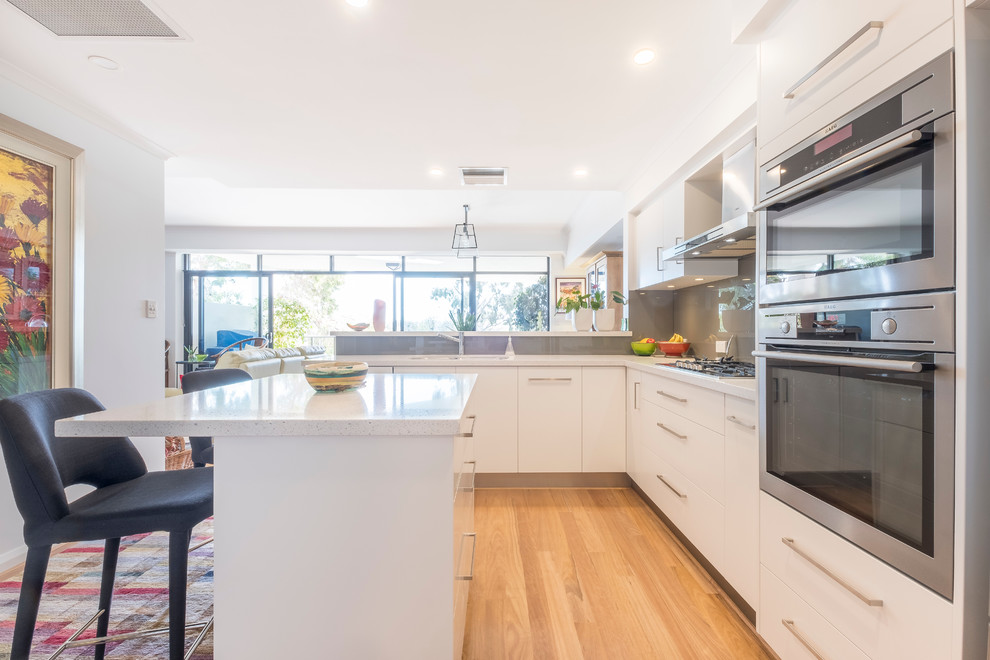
[
  {"x": 97, "y": 18},
  {"x": 484, "y": 176}
]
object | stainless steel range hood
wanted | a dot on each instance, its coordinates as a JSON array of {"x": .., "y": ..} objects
[
  {"x": 736, "y": 236},
  {"x": 730, "y": 240}
]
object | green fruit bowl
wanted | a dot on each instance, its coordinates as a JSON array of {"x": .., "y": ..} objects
[{"x": 644, "y": 347}]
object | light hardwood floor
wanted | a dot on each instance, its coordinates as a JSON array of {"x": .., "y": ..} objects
[{"x": 575, "y": 573}]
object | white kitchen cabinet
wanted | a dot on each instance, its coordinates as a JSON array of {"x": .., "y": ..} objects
[
  {"x": 794, "y": 630},
  {"x": 550, "y": 419},
  {"x": 694, "y": 402},
  {"x": 695, "y": 450},
  {"x": 648, "y": 240},
  {"x": 634, "y": 422},
  {"x": 911, "y": 622},
  {"x": 742, "y": 498},
  {"x": 494, "y": 404},
  {"x": 425, "y": 369},
  {"x": 808, "y": 32},
  {"x": 464, "y": 538},
  {"x": 603, "y": 419}
]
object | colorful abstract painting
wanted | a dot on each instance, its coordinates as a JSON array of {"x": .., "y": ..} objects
[{"x": 25, "y": 274}]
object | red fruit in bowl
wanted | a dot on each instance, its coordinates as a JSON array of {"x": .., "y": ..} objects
[{"x": 649, "y": 340}]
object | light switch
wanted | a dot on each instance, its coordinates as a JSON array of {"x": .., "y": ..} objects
[{"x": 151, "y": 309}]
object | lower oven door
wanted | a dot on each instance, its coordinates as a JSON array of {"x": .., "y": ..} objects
[{"x": 864, "y": 445}]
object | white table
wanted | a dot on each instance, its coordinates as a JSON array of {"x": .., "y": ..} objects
[{"x": 334, "y": 511}]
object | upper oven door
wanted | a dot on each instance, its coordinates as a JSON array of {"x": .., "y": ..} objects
[{"x": 878, "y": 224}]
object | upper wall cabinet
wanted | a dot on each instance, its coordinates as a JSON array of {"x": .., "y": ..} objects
[
  {"x": 648, "y": 242},
  {"x": 821, "y": 59}
]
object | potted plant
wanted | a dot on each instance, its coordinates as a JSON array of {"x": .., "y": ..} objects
[
  {"x": 193, "y": 355},
  {"x": 587, "y": 306}
]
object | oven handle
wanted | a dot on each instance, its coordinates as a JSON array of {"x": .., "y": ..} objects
[
  {"x": 853, "y": 163},
  {"x": 844, "y": 361}
]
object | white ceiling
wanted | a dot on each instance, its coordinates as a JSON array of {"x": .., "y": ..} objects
[{"x": 336, "y": 114}]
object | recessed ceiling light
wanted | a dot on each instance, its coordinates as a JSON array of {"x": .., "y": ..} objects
[
  {"x": 581, "y": 172},
  {"x": 711, "y": 286},
  {"x": 644, "y": 56},
  {"x": 730, "y": 240},
  {"x": 699, "y": 279},
  {"x": 104, "y": 62},
  {"x": 357, "y": 3},
  {"x": 747, "y": 279},
  {"x": 436, "y": 171},
  {"x": 670, "y": 286},
  {"x": 696, "y": 252}
]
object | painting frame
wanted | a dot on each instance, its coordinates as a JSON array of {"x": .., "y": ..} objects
[
  {"x": 565, "y": 287},
  {"x": 42, "y": 286}
]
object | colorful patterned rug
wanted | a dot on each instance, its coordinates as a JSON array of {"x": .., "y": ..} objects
[{"x": 140, "y": 600}]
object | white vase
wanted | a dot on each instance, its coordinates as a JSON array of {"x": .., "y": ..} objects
[
  {"x": 605, "y": 319},
  {"x": 582, "y": 320}
]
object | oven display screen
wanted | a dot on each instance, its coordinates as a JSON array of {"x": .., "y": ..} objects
[{"x": 835, "y": 138}]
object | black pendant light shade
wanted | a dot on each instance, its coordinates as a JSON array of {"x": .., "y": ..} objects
[{"x": 464, "y": 237}]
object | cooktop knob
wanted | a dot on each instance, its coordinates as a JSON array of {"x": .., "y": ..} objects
[
  {"x": 785, "y": 327},
  {"x": 889, "y": 326}
]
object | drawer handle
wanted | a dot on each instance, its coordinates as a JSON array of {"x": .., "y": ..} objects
[
  {"x": 789, "y": 624},
  {"x": 674, "y": 490},
  {"x": 872, "y": 602},
  {"x": 567, "y": 379},
  {"x": 872, "y": 25},
  {"x": 474, "y": 470},
  {"x": 736, "y": 420},
  {"x": 469, "y": 434},
  {"x": 474, "y": 545},
  {"x": 636, "y": 395},
  {"x": 671, "y": 396},
  {"x": 672, "y": 432}
]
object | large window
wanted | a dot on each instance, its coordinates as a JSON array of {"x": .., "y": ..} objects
[{"x": 293, "y": 299}]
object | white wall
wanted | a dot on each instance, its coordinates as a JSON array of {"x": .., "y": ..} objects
[
  {"x": 590, "y": 222},
  {"x": 123, "y": 253}
]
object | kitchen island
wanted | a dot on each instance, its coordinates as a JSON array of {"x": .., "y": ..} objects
[{"x": 334, "y": 512}]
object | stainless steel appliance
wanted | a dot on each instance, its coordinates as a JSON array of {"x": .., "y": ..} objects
[
  {"x": 724, "y": 367},
  {"x": 857, "y": 423},
  {"x": 865, "y": 206}
]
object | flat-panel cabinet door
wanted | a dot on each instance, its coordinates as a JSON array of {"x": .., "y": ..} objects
[
  {"x": 648, "y": 239},
  {"x": 603, "y": 419},
  {"x": 742, "y": 498},
  {"x": 495, "y": 406},
  {"x": 550, "y": 419},
  {"x": 634, "y": 422}
]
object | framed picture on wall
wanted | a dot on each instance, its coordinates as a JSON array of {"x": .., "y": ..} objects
[
  {"x": 566, "y": 288},
  {"x": 37, "y": 202}
]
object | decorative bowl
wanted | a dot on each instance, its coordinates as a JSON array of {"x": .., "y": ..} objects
[
  {"x": 357, "y": 326},
  {"x": 644, "y": 347},
  {"x": 674, "y": 348},
  {"x": 335, "y": 376}
]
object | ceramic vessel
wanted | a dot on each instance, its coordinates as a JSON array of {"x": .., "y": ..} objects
[
  {"x": 605, "y": 319},
  {"x": 335, "y": 376},
  {"x": 378, "y": 318},
  {"x": 583, "y": 319}
]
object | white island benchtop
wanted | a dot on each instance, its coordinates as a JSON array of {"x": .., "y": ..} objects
[
  {"x": 343, "y": 521},
  {"x": 400, "y": 404}
]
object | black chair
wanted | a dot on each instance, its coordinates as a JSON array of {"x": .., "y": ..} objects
[
  {"x": 202, "y": 447},
  {"x": 128, "y": 500}
]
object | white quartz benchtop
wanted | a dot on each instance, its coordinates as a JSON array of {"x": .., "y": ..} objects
[
  {"x": 744, "y": 388},
  {"x": 387, "y": 404}
]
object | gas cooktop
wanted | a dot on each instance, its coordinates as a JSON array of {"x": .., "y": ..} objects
[{"x": 725, "y": 367}]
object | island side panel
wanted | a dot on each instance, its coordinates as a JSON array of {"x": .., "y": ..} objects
[{"x": 335, "y": 547}]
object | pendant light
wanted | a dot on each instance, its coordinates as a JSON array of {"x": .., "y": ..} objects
[{"x": 464, "y": 237}]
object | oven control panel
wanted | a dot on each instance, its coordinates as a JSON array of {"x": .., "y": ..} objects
[{"x": 912, "y": 322}]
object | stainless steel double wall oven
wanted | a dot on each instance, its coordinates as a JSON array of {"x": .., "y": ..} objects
[{"x": 856, "y": 326}]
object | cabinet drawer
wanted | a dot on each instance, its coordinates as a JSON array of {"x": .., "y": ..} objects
[
  {"x": 692, "y": 449},
  {"x": 809, "y": 32},
  {"x": 698, "y": 404},
  {"x": 699, "y": 517},
  {"x": 805, "y": 628},
  {"x": 912, "y": 622}
]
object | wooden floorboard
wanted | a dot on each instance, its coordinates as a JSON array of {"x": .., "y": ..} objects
[{"x": 591, "y": 573}]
